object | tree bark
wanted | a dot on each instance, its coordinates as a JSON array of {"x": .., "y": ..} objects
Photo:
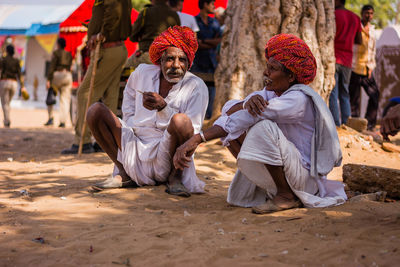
[{"x": 249, "y": 24}]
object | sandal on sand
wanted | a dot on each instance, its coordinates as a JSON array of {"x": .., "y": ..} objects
[
  {"x": 111, "y": 183},
  {"x": 177, "y": 189},
  {"x": 270, "y": 207}
]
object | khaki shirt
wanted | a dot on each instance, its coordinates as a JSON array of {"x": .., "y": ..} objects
[
  {"x": 151, "y": 22},
  {"x": 364, "y": 54},
  {"x": 111, "y": 18},
  {"x": 10, "y": 69},
  {"x": 60, "y": 60}
]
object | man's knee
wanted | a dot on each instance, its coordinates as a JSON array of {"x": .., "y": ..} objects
[
  {"x": 269, "y": 128},
  {"x": 94, "y": 113},
  {"x": 181, "y": 123}
]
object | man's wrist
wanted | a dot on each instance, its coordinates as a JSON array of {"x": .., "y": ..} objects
[
  {"x": 202, "y": 138},
  {"x": 161, "y": 108},
  {"x": 197, "y": 138}
]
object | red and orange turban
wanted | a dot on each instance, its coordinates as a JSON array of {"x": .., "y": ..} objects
[
  {"x": 179, "y": 36},
  {"x": 294, "y": 54}
]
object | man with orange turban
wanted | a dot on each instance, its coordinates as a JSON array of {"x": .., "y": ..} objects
[
  {"x": 163, "y": 106},
  {"x": 284, "y": 137}
]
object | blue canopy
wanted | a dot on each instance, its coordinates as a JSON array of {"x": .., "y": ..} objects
[{"x": 34, "y": 18}]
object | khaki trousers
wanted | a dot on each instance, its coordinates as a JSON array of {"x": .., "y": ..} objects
[
  {"x": 7, "y": 91},
  {"x": 62, "y": 83},
  {"x": 106, "y": 85}
]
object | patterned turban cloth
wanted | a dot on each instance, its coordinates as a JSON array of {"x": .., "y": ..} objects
[
  {"x": 294, "y": 54},
  {"x": 179, "y": 36}
]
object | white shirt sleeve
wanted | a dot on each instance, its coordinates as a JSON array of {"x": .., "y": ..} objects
[
  {"x": 197, "y": 105},
  {"x": 128, "y": 103},
  {"x": 288, "y": 108},
  {"x": 194, "y": 27}
]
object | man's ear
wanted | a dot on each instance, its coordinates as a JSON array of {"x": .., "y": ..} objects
[{"x": 292, "y": 78}]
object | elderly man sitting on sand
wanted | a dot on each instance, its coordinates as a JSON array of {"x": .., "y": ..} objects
[
  {"x": 284, "y": 137},
  {"x": 164, "y": 105}
]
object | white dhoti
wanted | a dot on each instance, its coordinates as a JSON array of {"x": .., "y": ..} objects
[
  {"x": 149, "y": 168},
  {"x": 253, "y": 185}
]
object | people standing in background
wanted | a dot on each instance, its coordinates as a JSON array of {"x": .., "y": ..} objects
[
  {"x": 10, "y": 74},
  {"x": 35, "y": 88},
  {"x": 110, "y": 25},
  {"x": 363, "y": 65},
  {"x": 208, "y": 38},
  {"x": 186, "y": 19},
  {"x": 348, "y": 32},
  {"x": 151, "y": 22},
  {"x": 60, "y": 78}
]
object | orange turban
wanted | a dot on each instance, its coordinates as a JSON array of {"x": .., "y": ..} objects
[
  {"x": 294, "y": 54},
  {"x": 180, "y": 37}
]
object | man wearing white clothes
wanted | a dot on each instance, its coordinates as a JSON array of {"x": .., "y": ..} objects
[
  {"x": 163, "y": 106},
  {"x": 284, "y": 137},
  {"x": 186, "y": 19}
]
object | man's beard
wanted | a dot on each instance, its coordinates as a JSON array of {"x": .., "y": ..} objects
[{"x": 180, "y": 72}]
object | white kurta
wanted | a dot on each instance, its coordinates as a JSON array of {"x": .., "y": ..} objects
[
  {"x": 145, "y": 129},
  {"x": 287, "y": 142}
]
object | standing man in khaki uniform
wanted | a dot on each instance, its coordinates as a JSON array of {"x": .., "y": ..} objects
[
  {"x": 60, "y": 78},
  {"x": 110, "y": 24},
  {"x": 150, "y": 23},
  {"x": 10, "y": 73}
]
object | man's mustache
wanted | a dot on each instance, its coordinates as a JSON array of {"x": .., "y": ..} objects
[
  {"x": 267, "y": 79},
  {"x": 174, "y": 71}
]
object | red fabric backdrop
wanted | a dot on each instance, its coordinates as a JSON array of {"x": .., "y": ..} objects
[
  {"x": 72, "y": 30},
  {"x": 191, "y": 6}
]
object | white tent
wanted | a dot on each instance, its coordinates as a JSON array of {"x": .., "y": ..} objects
[
  {"x": 39, "y": 21},
  {"x": 390, "y": 36}
]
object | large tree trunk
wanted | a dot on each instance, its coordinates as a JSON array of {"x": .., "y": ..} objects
[{"x": 249, "y": 24}]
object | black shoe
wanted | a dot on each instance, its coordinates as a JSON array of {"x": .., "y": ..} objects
[
  {"x": 49, "y": 122},
  {"x": 86, "y": 149},
  {"x": 62, "y": 125},
  {"x": 97, "y": 147},
  {"x": 7, "y": 125}
]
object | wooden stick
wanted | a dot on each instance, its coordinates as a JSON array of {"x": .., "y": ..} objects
[{"x": 91, "y": 86}]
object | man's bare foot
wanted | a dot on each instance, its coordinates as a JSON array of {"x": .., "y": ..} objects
[
  {"x": 175, "y": 186},
  {"x": 279, "y": 203}
]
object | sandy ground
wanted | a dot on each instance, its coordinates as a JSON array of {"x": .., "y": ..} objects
[{"x": 44, "y": 197}]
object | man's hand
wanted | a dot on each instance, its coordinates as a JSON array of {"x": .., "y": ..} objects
[
  {"x": 48, "y": 84},
  {"x": 255, "y": 105},
  {"x": 183, "y": 154},
  {"x": 391, "y": 122},
  {"x": 369, "y": 74},
  {"x": 153, "y": 101},
  {"x": 94, "y": 40}
]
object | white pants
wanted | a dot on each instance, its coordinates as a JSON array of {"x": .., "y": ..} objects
[
  {"x": 253, "y": 184},
  {"x": 7, "y": 91},
  {"x": 62, "y": 80},
  {"x": 148, "y": 172}
]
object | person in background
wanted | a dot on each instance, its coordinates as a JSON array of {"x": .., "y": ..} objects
[
  {"x": 186, "y": 19},
  {"x": 110, "y": 25},
  {"x": 208, "y": 38},
  {"x": 363, "y": 65},
  {"x": 10, "y": 74},
  {"x": 151, "y": 22},
  {"x": 60, "y": 78},
  {"x": 348, "y": 32},
  {"x": 390, "y": 124}
]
